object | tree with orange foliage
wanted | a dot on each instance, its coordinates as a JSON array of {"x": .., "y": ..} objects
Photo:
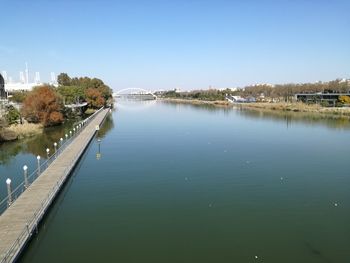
[
  {"x": 43, "y": 105},
  {"x": 94, "y": 98}
]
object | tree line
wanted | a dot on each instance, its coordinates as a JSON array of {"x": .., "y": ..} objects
[
  {"x": 208, "y": 95},
  {"x": 281, "y": 91},
  {"x": 289, "y": 90}
]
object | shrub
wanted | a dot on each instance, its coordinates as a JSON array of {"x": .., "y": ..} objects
[
  {"x": 12, "y": 115},
  {"x": 324, "y": 103},
  {"x": 18, "y": 96}
]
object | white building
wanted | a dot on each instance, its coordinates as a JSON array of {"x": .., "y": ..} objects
[
  {"x": 12, "y": 87},
  {"x": 24, "y": 84}
]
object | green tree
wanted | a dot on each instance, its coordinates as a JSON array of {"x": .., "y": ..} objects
[
  {"x": 71, "y": 94},
  {"x": 63, "y": 79},
  {"x": 72, "y": 89},
  {"x": 12, "y": 115}
]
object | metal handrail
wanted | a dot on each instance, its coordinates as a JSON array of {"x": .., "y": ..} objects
[
  {"x": 33, "y": 222},
  {"x": 15, "y": 193}
]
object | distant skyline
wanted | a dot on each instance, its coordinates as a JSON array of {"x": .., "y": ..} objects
[{"x": 178, "y": 44}]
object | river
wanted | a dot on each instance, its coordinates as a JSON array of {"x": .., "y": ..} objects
[{"x": 183, "y": 183}]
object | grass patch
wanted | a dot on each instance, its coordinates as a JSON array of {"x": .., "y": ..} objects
[
  {"x": 26, "y": 129},
  {"x": 90, "y": 111}
]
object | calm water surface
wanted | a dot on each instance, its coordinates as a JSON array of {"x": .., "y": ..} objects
[{"x": 181, "y": 183}]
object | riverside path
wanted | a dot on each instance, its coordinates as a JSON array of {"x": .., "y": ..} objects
[{"x": 22, "y": 217}]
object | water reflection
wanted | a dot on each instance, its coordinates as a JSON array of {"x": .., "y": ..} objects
[
  {"x": 107, "y": 126},
  {"x": 199, "y": 107},
  {"x": 334, "y": 122},
  {"x": 289, "y": 118},
  {"x": 135, "y": 105},
  {"x": 98, "y": 154},
  {"x": 9, "y": 150}
]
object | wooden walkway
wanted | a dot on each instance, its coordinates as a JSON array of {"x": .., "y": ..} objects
[{"x": 21, "y": 219}]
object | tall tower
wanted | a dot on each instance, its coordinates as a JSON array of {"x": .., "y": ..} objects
[
  {"x": 27, "y": 73},
  {"x": 21, "y": 77},
  {"x": 53, "y": 78},
  {"x": 37, "y": 78}
]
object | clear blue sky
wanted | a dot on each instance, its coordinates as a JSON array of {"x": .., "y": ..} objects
[{"x": 187, "y": 44}]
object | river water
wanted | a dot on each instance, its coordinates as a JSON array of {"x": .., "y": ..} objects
[{"x": 183, "y": 183}]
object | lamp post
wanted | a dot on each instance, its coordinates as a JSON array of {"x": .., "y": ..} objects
[
  {"x": 8, "y": 183},
  {"x": 38, "y": 158},
  {"x": 55, "y": 146},
  {"x": 61, "y": 144},
  {"x": 48, "y": 153},
  {"x": 66, "y": 136},
  {"x": 70, "y": 133},
  {"x": 25, "y": 171}
]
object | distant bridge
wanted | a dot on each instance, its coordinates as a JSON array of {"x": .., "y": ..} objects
[{"x": 134, "y": 92}]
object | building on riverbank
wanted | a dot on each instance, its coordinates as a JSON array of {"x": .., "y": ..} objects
[
  {"x": 14, "y": 87},
  {"x": 330, "y": 98}
]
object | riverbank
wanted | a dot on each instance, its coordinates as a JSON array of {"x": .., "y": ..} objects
[
  {"x": 19, "y": 131},
  {"x": 298, "y": 107},
  {"x": 26, "y": 129},
  {"x": 197, "y": 102},
  {"x": 278, "y": 107}
]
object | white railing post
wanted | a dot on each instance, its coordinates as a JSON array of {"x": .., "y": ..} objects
[
  {"x": 8, "y": 183},
  {"x": 38, "y": 158},
  {"x": 48, "y": 153},
  {"x": 25, "y": 171}
]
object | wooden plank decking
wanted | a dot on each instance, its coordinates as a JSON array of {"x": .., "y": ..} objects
[{"x": 19, "y": 221}]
